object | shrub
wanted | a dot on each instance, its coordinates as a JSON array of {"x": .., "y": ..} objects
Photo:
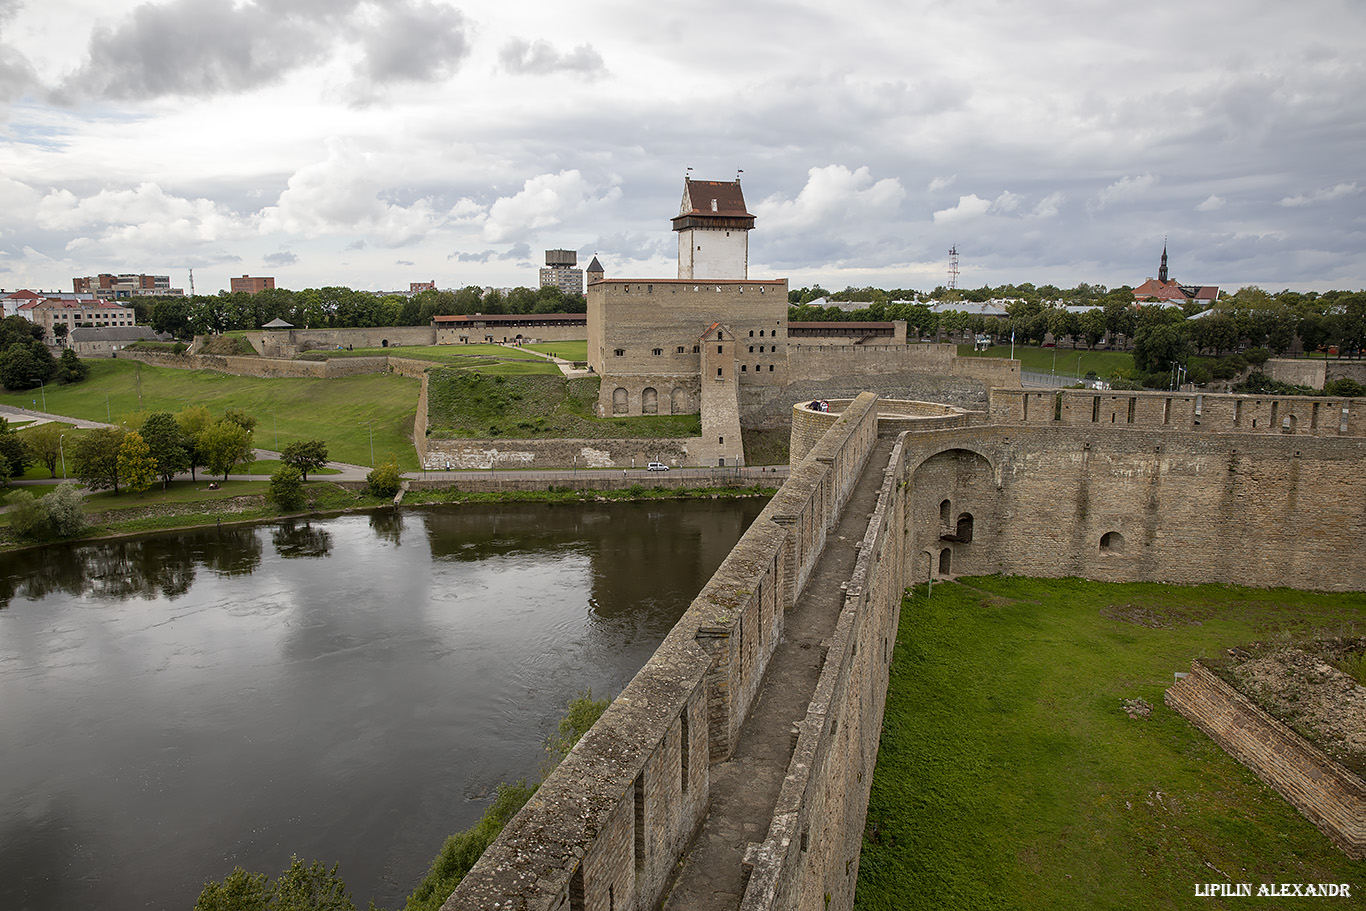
[
  {"x": 65, "y": 512},
  {"x": 27, "y": 517},
  {"x": 385, "y": 480},
  {"x": 286, "y": 488},
  {"x": 1344, "y": 387}
]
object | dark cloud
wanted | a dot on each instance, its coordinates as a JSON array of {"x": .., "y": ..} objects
[
  {"x": 416, "y": 42},
  {"x": 539, "y": 58},
  {"x": 473, "y": 257},
  {"x": 516, "y": 251},
  {"x": 282, "y": 258},
  {"x": 209, "y": 47}
]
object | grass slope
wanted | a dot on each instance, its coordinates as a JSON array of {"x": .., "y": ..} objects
[
  {"x": 1009, "y": 776},
  {"x": 480, "y": 358},
  {"x": 472, "y": 406},
  {"x": 334, "y": 410}
]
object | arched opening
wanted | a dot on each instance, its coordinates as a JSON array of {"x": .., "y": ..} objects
[
  {"x": 678, "y": 401},
  {"x": 1288, "y": 424},
  {"x": 649, "y": 401},
  {"x": 963, "y": 530},
  {"x": 1112, "y": 542},
  {"x": 620, "y": 400},
  {"x": 945, "y": 561},
  {"x": 945, "y": 513},
  {"x": 928, "y": 564}
]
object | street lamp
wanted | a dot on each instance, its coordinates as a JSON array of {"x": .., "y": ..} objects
[
  {"x": 1078, "y": 368},
  {"x": 369, "y": 426},
  {"x": 276, "y": 424},
  {"x": 62, "y": 451},
  {"x": 44, "y": 391}
]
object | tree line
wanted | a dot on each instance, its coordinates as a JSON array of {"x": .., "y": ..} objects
[
  {"x": 339, "y": 308},
  {"x": 26, "y": 362}
]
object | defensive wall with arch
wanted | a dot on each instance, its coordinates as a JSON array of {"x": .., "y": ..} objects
[{"x": 1152, "y": 495}]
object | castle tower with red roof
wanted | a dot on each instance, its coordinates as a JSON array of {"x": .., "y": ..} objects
[{"x": 713, "y": 230}]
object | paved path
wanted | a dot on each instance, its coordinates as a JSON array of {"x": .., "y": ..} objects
[{"x": 744, "y": 789}]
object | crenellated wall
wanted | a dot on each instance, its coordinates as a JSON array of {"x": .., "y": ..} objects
[{"x": 607, "y": 828}]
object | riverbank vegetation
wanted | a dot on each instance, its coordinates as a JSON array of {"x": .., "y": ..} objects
[{"x": 1011, "y": 774}]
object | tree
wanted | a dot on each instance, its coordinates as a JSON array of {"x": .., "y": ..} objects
[
  {"x": 1091, "y": 325},
  {"x": 23, "y": 365},
  {"x": 193, "y": 421},
  {"x": 1157, "y": 346},
  {"x": 305, "y": 455},
  {"x": 44, "y": 444},
  {"x": 66, "y": 516},
  {"x": 137, "y": 468},
  {"x": 224, "y": 445},
  {"x": 300, "y": 888},
  {"x": 70, "y": 368},
  {"x": 286, "y": 488},
  {"x": 96, "y": 458},
  {"x": 240, "y": 418},
  {"x": 166, "y": 445},
  {"x": 13, "y": 451},
  {"x": 385, "y": 480}
]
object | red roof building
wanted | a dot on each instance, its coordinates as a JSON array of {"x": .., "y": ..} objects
[{"x": 1162, "y": 290}]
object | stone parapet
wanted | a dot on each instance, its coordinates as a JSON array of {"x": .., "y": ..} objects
[
  {"x": 466, "y": 455},
  {"x": 1324, "y": 792}
]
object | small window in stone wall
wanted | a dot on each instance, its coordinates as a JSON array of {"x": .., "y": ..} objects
[
  {"x": 744, "y": 368},
  {"x": 619, "y": 352},
  {"x": 1112, "y": 542},
  {"x": 945, "y": 512},
  {"x": 945, "y": 561},
  {"x": 963, "y": 530},
  {"x": 695, "y": 349},
  {"x": 751, "y": 349},
  {"x": 657, "y": 352},
  {"x": 680, "y": 350}
]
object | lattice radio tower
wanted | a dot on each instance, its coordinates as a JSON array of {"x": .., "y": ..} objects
[{"x": 953, "y": 267}]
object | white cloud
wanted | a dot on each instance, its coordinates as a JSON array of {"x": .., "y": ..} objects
[
  {"x": 969, "y": 208},
  {"x": 541, "y": 58},
  {"x": 1327, "y": 194},
  {"x": 543, "y": 201},
  {"x": 1005, "y": 203},
  {"x": 942, "y": 183},
  {"x": 1049, "y": 206},
  {"x": 1126, "y": 189},
  {"x": 1212, "y": 204},
  {"x": 832, "y": 195}
]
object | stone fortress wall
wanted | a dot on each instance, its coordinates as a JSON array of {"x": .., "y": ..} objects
[
  {"x": 609, "y": 825},
  {"x": 1324, "y": 792}
]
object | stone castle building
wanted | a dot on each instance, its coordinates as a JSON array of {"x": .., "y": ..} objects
[{"x": 715, "y": 341}]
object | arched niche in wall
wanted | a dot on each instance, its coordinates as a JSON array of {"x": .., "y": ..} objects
[
  {"x": 620, "y": 400},
  {"x": 1112, "y": 542}
]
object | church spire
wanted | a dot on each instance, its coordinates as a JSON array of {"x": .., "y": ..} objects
[{"x": 1162, "y": 270}]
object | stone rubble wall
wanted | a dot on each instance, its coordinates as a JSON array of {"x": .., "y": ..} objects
[
  {"x": 1324, "y": 792},
  {"x": 263, "y": 366},
  {"x": 467, "y": 455},
  {"x": 609, "y": 825},
  {"x": 1314, "y": 372}
]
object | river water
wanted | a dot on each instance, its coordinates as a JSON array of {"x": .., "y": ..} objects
[{"x": 349, "y": 690}]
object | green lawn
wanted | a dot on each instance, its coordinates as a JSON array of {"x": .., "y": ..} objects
[
  {"x": 570, "y": 350},
  {"x": 339, "y": 411},
  {"x": 1042, "y": 360},
  {"x": 1010, "y": 777}
]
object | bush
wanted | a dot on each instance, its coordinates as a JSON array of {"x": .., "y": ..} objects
[
  {"x": 1256, "y": 356},
  {"x": 58, "y": 515},
  {"x": 1344, "y": 387},
  {"x": 300, "y": 888},
  {"x": 286, "y": 488},
  {"x": 385, "y": 480}
]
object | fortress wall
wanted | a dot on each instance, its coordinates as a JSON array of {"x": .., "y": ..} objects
[
  {"x": 674, "y": 393},
  {"x": 1309, "y": 372},
  {"x": 262, "y": 366},
  {"x": 457, "y": 334},
  {"x": 1168, "y": 506},
  {"x": 768, "y": 408},
  {"x": 994, "y": 371},
  {"x": 809, "y": 362},
  {"x": 1324, "y": 792},
  {"x": 608, "y": 826},
  {"x": 420, "y": 422},
  {"x": 809, "y": 858},
  {"x": 466, "y": 455},
  {"x": 894, "y": 416},
  {"x": 1205, "y": 412},
  {"x": 289, "y": 342}
]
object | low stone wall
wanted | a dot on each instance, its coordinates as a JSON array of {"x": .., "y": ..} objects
[
  {"x": 831, "y": 361},
  {"x": 771, "y": 408},
  {"x": 465, "y": 455},
  {"x": 289, "y": 342},
  {"x": 1314, "y": 372},
  {"x": 1324, "y": 792},
  {"x": 994, "y": 371},
  {"x": 263, "y": 366},
  {"x": 609, "y": 825}
]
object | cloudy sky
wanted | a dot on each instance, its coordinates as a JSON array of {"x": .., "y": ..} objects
[{"x": 372, "y": 143}]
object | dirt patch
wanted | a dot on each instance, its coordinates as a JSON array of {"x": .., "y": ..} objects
[
  {"x": 1155, "y": 616},
  {"x": 1299, "y": 686}
]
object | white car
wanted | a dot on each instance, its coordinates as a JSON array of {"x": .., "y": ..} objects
[{"x": 656, "y": 466}]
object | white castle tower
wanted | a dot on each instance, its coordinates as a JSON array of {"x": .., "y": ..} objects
[{"x": 713, "y": 230}]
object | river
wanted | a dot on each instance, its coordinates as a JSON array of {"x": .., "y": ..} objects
[{"x": 349, "y": 689}]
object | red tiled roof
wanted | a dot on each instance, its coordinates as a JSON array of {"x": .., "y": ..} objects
[
  {"x": 849, "y": 327},
  {"x": 514, "y": 318},
  {"x": 713, "y": 197}
]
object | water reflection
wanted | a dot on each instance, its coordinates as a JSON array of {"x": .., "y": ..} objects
[{"x": 173, "y": 706}]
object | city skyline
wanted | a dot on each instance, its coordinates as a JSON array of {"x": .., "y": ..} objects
[{"x": 375, "y": 144}]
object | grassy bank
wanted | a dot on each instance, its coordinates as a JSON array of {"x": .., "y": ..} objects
[
  {"x": 470, "y": 406},
  {"x": 1010, "y": 777},
  {"x": 339, "y": 411},
  {"x": 1042, "y": 360}
]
